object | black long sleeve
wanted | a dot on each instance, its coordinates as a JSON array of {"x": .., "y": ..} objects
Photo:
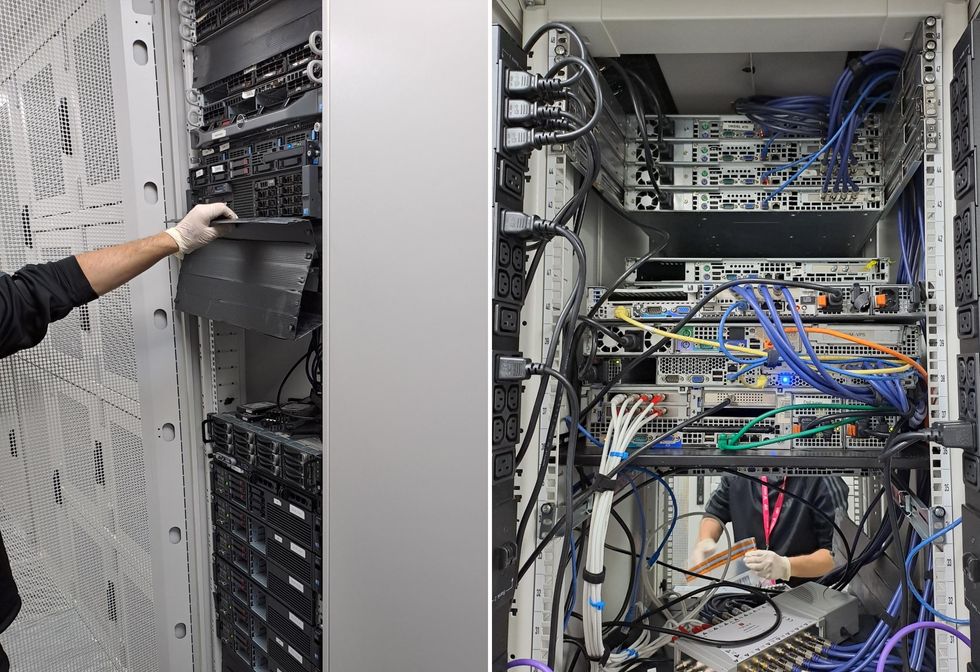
[
  {"x": 34, "y": 297},
  {"x": 30, "y": 300}
]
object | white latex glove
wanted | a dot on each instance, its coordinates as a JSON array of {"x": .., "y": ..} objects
[
  {"x": 703, "y": 549},
  {"x": 768, "y": 565},
  {"x": 195, "y": 231}
]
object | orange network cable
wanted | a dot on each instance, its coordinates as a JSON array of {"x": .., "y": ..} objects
[{"x": 861, "y": 341}]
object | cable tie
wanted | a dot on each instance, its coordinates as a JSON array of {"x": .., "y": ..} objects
[
  {"x": 595, "y": 579},
  {"x": 604, "y": 483},
  {"x": 632, "y": 653},
  {"x": 598, "y": 605},
  {"x": 618, "y": 453}
]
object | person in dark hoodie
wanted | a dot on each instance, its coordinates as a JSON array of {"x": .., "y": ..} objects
[{"x": 39, "y": 294}]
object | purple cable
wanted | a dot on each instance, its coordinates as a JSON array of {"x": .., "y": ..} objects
[
  {"x": 528, "y": 662},
  {"x": 921, "y": 625}
]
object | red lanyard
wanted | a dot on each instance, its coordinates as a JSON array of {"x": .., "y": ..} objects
[{"x": 768, "y": 524}]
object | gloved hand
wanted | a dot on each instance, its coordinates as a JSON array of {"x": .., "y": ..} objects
[
  {"x": 768, "y": 565},
  {"x": 195, "y": 231},
  {"x": 703, "y": 549}
]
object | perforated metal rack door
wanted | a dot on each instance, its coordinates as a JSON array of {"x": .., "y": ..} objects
[{"x": 75, "y": 455}]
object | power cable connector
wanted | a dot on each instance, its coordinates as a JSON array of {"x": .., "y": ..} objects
[
  {"x": 955, "y": 434},
  {"x": 525, "y": 111},
  {"x": 521, "y": 225},
  {"x": 520, "y": 139},
  {"x": 523, "y": 84},
  {"x": 510, "y": 368}
]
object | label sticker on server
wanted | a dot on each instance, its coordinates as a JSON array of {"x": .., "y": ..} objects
[
  {"x": 280, "y": 642},
  {"x": 278, "y": 538},
  {"x": 298, "y": 550},
  {"x": 296, "y": 620},
  {"x": 277, "y": 501},
  {"x": 296, "y": 584},
  {"x": 224, "y": 147},
  {"x": 199, "y": 173},
  {"x": 220, "y": 168},
  {"x": 294, "y": 653},
  {"x": 219, "y": 134},
  {"x": 207, "y": 152},
  {"x": 248, "y": 94},
  {"x": 298, "y": 512}
]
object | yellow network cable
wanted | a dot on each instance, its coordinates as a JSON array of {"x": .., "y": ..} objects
[{"x": 623, "y": 313}]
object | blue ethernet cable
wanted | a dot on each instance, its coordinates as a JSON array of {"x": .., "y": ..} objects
[{"x": 909, "y": 560}]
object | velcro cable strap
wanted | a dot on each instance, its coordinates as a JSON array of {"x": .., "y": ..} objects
[
  {"x": 619, "y": 453},
  {"x": 772, "y": 358},
  {"x": 598, "y": 605},
  {"x": 589, "y": 577},
  {"x": 604, "y": 483},
  {"x": 857, "y": 67},
  {"x": 603, "y": 659}
]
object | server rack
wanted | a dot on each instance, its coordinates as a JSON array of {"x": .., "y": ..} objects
[{"x": 924, "y": 143}]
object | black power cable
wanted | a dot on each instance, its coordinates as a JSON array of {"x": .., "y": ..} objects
[
  {"x": 642, "y": 121},
  {"x": 563, "y": 330},
  {"x": 565, "y": 315}
]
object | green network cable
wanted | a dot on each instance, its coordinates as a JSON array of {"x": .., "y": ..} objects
[{"x": 731, "y": 441}]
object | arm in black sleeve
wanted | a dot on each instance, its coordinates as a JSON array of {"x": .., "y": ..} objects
[
  {"x": 719, "y": 505},
  {"x": 34, "y": 297}
]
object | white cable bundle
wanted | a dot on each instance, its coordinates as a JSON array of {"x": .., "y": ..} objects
[{"x": 628, "y": 415}]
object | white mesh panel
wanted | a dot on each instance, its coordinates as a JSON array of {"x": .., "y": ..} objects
[{"x": 73, "y": 503}]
